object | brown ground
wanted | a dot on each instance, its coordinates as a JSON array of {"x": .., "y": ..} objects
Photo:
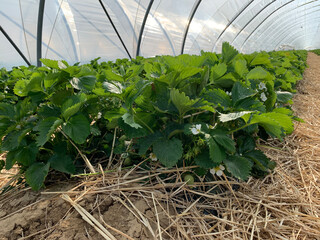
[{"x": 284, "y": 205}]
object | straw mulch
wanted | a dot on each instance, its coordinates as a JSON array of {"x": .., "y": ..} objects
[
  {"x": 7, "y": 176},
  {"x": 145, "y": 205}
]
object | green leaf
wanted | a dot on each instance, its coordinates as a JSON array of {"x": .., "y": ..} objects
[
  {"x": 36, "y": 174},
  {"x": 232, "y": 116},
  {"x": 35, "y": 83},
  {"x": 46, "y": 111},
  {"x": 20, "y": 88},
  {"x": 2, "y": 164},
  {"x": 27, "y": 154},
  {"x": 189, "y": 72},
  {"x": 12, "y": 140},
  {"x": 77, "y": 128},
  {"x": 94, "y": 130},
  {"x": 257, "y": 73},
  {"x": 217, "y": 71},
  {"x": 111, "y": 76},
  {"x": 240, "y": 67},
  {"x": 283, "y": 110},
  {"x": 51, "y": 79},
  {"x": 60, "y": 96},
  {"x": 113, "y": 87},
  {"x": 133, "y": 71},
  {"x": 226, "y": 81},
  {"x": 260, "y": 159},
  {"x": 83, "y": 83},
  {"x": 7, "y": 111},
  {"x": 62, "y": 163},
  {"x": 228, "y": 52},
  {"x": 16, "y": 73},
  {"x": 222, "y": 138},
  {"x": 218, "y": 97},
  {"x": 261, "y": 59},
  {"x": 114, "y": 113},
  {"x": 11, "y": 159},
  {"x": 182, "y": 102},
  {"x": 131, "y": 132},
  {"x": 239, "y": 167},
  {"x": 241, "y": 91},
  {"x": 283, "y": 120},
  {"x": 132, "y": 92},
  {"x": 217, "y": 155},
  {"x": 146, "y": 142},
  {"x": 50, "y": 63},
  {"x": 5, "y": 125},
  {"x": 274, "y": 123},
  {"x": 203, "y": 160},
  {"x": 283, "y": 97},
  {"x": 246, "y": 144},
  {"x": 168, "y": 151},
  {"x": 272, "y": 96},
  {"x": 280, "y": 70},
  {"x": 207, "y": 108},
  {"x": 129, "y": 119},
  {"x": 61, "y": 64},
  {"x": 250, "y": 104},
  {"x": 46, "y": 128},
  {"x": 72, "y": 105}
]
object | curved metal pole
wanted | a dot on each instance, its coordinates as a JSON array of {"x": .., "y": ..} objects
[
  {"x": 162, "y": 29},
  {"x": 95, "y": 27},
  {"x": 290, "y": 27},
  {"x": 125, "y": 15},
  {"x": 114, "y": 28},
  {"x": 297, "y": 33},
  {"x": 61, "y": 37},
  {"x": 15, "y": 46},
  {"x": 251, "y": 20},
  {"x": 142, "y": 27},
  {"x": 280, "y": 19},
  {"x": 307, "y": 35},
  {"x": 29, "y": 33},
  {"x": 279, "y": 29},
  {"x": 229, "y": 24},
  {"x": 264, "y": 21},
  {"x": 193, "y": 12},
  {"x": 74, "y": 48},
  {"x": 39, "y": 31}
]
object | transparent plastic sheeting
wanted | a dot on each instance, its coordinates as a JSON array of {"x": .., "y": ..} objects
[{"x": 79, "y": 31}]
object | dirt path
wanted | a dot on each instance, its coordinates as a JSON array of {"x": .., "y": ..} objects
[{"x": 284, "y": 205}]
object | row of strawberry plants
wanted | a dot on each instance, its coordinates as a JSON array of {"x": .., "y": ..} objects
[
  {"x": 316, "y": 51},
  {"x": 206, "y": 111}
]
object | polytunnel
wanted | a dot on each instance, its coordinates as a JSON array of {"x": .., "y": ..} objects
[{"x": 79, "y": 31}]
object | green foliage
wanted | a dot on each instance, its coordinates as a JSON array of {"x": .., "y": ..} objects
[
  {"x": 77, "y": 128},
  {"x": 168, "y": 151},
  {"x": 238, "y": 166},
  {"x": 316, "y": 51},
  {"x": 36, "y": 174},
  {"x": 206, "y": 110}
]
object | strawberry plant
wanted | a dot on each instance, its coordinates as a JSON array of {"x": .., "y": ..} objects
[{"x": 206, "y": 110}]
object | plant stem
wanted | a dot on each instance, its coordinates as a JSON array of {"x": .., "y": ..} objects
[
  {"x": 194, "y": 114},
  {"x": 146, "y": 125},
  {"x": 244, "y": 126},
  {"x": 112, "y": 149},
  {"x": 84, "y": 157},
  {"x": 175, "y": 132}
]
